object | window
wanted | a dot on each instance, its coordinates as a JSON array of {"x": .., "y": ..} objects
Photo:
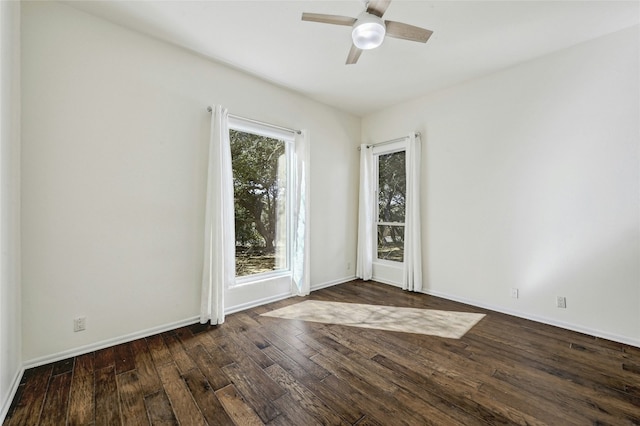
[
  {"x": 389, "y": 231},
  {"x": 261, "y": 163},
  {"x": 391, "y": 192}
]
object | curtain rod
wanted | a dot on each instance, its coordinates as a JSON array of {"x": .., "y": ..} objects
[
  {"x": 299, "y": 132},
  {"x": 417, "y": 134}
]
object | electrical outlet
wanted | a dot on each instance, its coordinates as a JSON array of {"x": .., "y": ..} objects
[
  {"x": 514, "y": 293},
  {"x": 79, "y": 324},
  {"x": 561, "y": 302},
  {"x": 348, "y": 266}
]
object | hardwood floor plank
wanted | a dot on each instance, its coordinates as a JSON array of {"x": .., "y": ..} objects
[
  {"x": 405, "y": 351},
  {"x": 214, "y": 374},
  {"x": 182, "y": 360},
  {"x": 242, "y": 322},
  {"x": 82, "y": 397},
  {"x": 215, "y": 334},
  {"x": 443, "y": 395},
  {"x": 54, "y": 411},
  {"x": 358, "y": 366},
  {"x": 518, "y": 409},
  {"x": 107, "y": 400},
  {"x": 339, "y": 399},
  {"x": 245, "y": 371},
  {"x": 206, "y": 399},
  {"x": 219, "y": 356},
  {"x": 303, "y": 398},
  {"x": 184, "y": 407},
  {"x": 560, "y": 405},
  {"x": 428, "y": 413},
  {"x": 159, "y": 409},
  {"x": 289, "y": 336},
  {"x": 198, "y": 328},
  {"x": 123, "y": 358},
  {"x": 326, "y": 341},
  {"x": 375, "y": 404},
  {"x": 256, "y": 338},
  {"x": 28, "y": 408},
  {"x": 300, "y": 357},
  {"x": 250, "y": 349},
  {"x": 186, "y": 337},
  {"x": 559, "y": 351},
  {"x": 143, "y": 361},
  {"x": 555, "y": 376},
  {"x": 392, "y": 382},
  {"x": 234, "y": 404},
  {"x": 158, "y": 349},
  {"x": 63, "y": 366},
  {"x": 293, "y": 414},
  {"x": 131, "y": 399},
  {"x": 354, "y": 342},
  {"x": 257, "y": 388},
  {"x": 368, "y": 396},
  {"x": 104, "y": 358},
  {"x": 458, "y": 370},
  {"x": 367, "y": 421}
]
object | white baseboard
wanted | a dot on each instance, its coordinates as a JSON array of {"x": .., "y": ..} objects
[
  {"x": 6, "y": 404},
  {"x": 332, "y": 283},
  {"x": 281, "y": 296},
  {"x": 388, "y": 282},
  {"x": 255, "y": 303},
  {"x": 106, "y": 343},
  {"x": 537, "y": 318}
]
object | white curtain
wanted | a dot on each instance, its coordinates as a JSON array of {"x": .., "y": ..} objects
[
  {"x": 219, "y": 239},
  {"x": 364, "y": 258},
  {"x": 300, "y": 258},
  {"x": 412, "y": 272}
]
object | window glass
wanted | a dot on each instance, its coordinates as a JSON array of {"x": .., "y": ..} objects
[
  {"x": 391, "y": 196},
  {"x": 391, "y": 243},
  {"x": 392, "y": 187},
  {"x": 260, "y": 176}
]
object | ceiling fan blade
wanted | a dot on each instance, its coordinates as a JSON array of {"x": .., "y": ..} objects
[
  {"x": 407, "y": 32},
  {"x": 354, "y": 54},
  {"x": 328, "y": 19},
  {"x": 378, "y": 7}
]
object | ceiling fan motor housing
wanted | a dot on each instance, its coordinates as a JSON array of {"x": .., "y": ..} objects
[{"x": 368, "y": 31}]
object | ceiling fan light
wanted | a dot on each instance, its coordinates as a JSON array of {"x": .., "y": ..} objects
[{"x": 368, "y": 32}]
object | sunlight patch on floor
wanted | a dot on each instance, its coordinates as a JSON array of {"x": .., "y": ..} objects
[{"x": 432, "y": 322}]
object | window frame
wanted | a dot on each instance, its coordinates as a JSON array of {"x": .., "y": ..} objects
[
  {"x": 377, "y": 151},
  {"x": 260, "y": 129}
]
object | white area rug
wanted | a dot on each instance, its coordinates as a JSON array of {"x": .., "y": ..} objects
[{"x": 448, "y": 324}]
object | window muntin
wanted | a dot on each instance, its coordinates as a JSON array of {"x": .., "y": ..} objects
[
  {"x": 261, "y": 163},
  {"x": 391, "y": 190}
]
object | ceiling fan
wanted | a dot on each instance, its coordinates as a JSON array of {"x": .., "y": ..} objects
[{"x": 369, "y": 29}]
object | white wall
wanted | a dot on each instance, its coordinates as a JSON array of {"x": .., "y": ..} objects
[
  {"x": 531, "y": 181},
  {"x": 10, "y": 331},
  {"x": 115, "y": 133}
]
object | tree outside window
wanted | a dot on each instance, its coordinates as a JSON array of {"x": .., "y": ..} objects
[
  {"x": 391, "y": 194},
  {"x": 260, "y": 192}
]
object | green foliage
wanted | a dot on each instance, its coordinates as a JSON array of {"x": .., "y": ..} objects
[
  {"x": 392, "y": 190},
  {"x": 392, "y": 187},
  {"x": 257, "y": 193}
]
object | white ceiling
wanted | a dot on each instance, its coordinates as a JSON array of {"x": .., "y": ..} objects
[{"x": 267, "y": 38}]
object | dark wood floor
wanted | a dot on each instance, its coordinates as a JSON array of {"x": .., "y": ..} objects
[{"x": 256, "y": 370}]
